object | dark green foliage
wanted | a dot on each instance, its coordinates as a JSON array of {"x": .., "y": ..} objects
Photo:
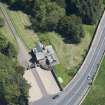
[
  {"x": 11, "y": 51},
  {"x": 20, "y": 69},
  {"x": 13, "y": 88},
  {"x": 54, "y": 14},
  {"x": 9, "y": 1},
  {"x": 71, "y": 28},
  {"x": 6, "y": 47},
  {"x": 3, "y": 42},
  {"x": 14, "y": 1},
  {"x": 44, "y": 40},
  {"x": 89, "y": 10},
  {"x": 1, "y": 22},
  {"x": 104, "y": 1},
  {"x": 62, "y": 3},
  {"x": 46, "y": 15}
]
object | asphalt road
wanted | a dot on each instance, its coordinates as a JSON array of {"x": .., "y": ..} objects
[{"x": 75, "y": 91}]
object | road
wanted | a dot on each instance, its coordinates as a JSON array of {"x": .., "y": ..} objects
[{"x": 77, "y": 88}]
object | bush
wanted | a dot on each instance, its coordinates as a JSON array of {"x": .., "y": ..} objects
[
  {"x": 1, "y": 22},
  {"x": 45, "y": 40},
  {"x": 88, "y": 10},
  {"x": 3, "y": 42},
  {"x": 11, "y": 50},
  {"x": 70, "y": 27},
  {"x": 20, "y": 70},
  {"x": 46, "y": 15}
]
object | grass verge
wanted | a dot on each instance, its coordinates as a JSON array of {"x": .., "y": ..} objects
[{"x": 96, "y": 95}]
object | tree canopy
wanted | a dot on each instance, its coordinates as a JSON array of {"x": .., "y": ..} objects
[
  {"x": 62, "y": 3},
  {"x": 46, "y": 15},
  {"x": 88, "y": 10},
  {"x": 71, "y": 28},
  {"x": 13, "y": 87},
  {"x": 3, "y": 42},
  {"x": 1, "y": 22}
]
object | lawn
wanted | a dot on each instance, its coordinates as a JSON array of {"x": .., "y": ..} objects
[
  {"x": 22, "y": 23},
  {"x": 70, "y": 55},
  {"x": 96, "y": 95}
]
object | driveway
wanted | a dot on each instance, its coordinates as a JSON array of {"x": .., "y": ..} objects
[
  {"x": 34, "y": 91},
  {"x": 48, "y": 81}
]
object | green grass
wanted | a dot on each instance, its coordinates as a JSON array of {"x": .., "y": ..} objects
[
  {"x": 7, "y": 33},
  {"x": 96, "y": 95},
  {"x": 21, "y": 22},
  {"x": 70, "y": 55}
]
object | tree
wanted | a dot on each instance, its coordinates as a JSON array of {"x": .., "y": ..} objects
[
  {"x": 14, "y": 1},
  {"x": 6, "y": 47},
  {"x": 88, "y": 10},
  {"x": 39, "y": 15},
  {"x": 13, "y": 87},
  {"x": 9, "y": 1},
  {"x": 54, "y": 14},
  {"x": 1, "y": 22},
  {"x": 20, "y": 70},
  {"x": 17, "y": 93},
  {"x": 71, "y": 29},
  {"x": 46, "y": 15},
  {"x": 62, "y": 3},
  {"x": 104, "y": 1},
  {"x": 3, "y": 42}
]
